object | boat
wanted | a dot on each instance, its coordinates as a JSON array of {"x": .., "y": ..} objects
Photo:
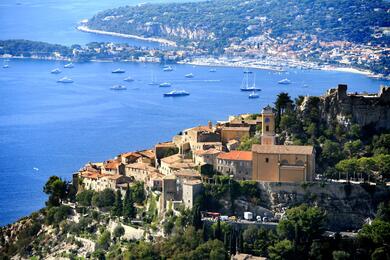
[
  {"x": 118, "y": 71},
  {"x": 65, "y": 80},
  {"x": 118, "y": 87},
  {"x": 5, "y": 66},
  {"x": 153, "y": 80},
  {"x": 165, "y": 85},
  {"x": 167, "y": 68},
  {"x": 305, "y": 85},
  {"x": 212, "y": 70},
  {"x": 253, "y": 95},
  {"x": 129, "y": 79},
  {"x": 55, "y": 71},
  {"x": 69, "y": 65},
  {"x": 176, "y": 93},
  {"x": 284, "y": 81},
  {"x": 245, "y": 84},
  {"x": 189, "y": 75}
]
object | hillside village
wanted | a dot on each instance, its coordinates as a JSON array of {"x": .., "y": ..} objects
[{"x": 177, "y": 169}]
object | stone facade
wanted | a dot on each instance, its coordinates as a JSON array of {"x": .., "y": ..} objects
[
  {"x": 235, "y": 163},
  {"x": 361, "y": 108}
]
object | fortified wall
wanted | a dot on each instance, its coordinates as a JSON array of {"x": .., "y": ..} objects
[{"x": 362, "y": 108}]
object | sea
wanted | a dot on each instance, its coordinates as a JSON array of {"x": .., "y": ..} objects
[{"x": 49, "y": 128}]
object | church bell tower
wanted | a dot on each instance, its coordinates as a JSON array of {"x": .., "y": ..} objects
[{"x": 267, "y": 126}]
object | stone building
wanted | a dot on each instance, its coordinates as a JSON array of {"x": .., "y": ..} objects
[
  {"x": 236, "y": 133},
  {"x": 280, "y": 163},
  {"x": 236, "y": 163},
  {"x": 191, "y": 189},
  {"x": 283, "y": 163}
]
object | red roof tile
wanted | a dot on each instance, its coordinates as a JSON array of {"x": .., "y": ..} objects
[{"x": 236, "y": 156}]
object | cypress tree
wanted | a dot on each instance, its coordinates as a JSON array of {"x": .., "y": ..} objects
[
  {"x": 218, "y": 231},
  {"x": 128, "y": 207},
  {"x": 196, "y": 217},
  {"x": 117, "y": 208}
]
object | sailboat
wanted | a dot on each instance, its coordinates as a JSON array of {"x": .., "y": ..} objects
[
  {"x": 245, "y": 84},
  {"x": 153, "y": 80}
]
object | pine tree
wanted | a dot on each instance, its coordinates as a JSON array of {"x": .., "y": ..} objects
[
  {"x": 218, "y": 230},
  {"x": 128, "y": 207},
  {"x": 117, "y": 209}
]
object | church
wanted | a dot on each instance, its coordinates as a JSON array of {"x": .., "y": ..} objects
[{"x": 280, "y": 163}]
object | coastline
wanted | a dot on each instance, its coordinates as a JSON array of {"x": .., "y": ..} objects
[{"x": 84, "y": 28}]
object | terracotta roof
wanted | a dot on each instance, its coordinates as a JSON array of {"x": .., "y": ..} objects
[
  {"x": 200, "y": 128},
  {"x": 172, "y": 159},
  {"x": 141, "y": 166},
  {"x": 236, "y": 156},
  {"x": 282, "y": 149},
  {"x": 90, "y": 175},
  {"x": 148, "y": 153},
  {"x": 129, "y": 154},
  {"x": 187, "y": 173},
  {"x": 111, "y": 164},
  {"x": 183, "y": 165},
  {"x": 205, "y": 152},
  {"x": 192, "y": 182},
  {"x": 166, "y": 144},
  {"x": 241, "y": 128}
]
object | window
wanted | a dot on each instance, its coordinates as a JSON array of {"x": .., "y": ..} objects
[
  {"x": 266, "y": 160},
  {"x": 284, "y": 162},
  {"x": 267, "y": 128}
]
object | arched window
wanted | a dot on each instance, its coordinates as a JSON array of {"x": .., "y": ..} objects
[
  {"x": 300, "y": 163},
  {"x": 284, "y": 162}
]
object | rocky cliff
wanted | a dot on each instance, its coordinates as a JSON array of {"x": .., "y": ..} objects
[
  {"x": 360, "y": 108},
  {"x": 347, "y": 205}
]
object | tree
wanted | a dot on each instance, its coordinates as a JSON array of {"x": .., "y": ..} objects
[
  {"x": 196, "y": 217},
  {"x": 117, "y": 208},
  {"x": 138, "y": 192},
  {"x": 128, "y": 207},
  {"x": 84, "y": 198},
  {"x": 340, "y": 255},
  {"x": 349, "y": 167},
  {"x": 301, "y": 225},
  {"x": 56, "y": 188},
  {"x": 103, "y": 199},
  {"x": 119, "y": 231},
  {"x": 281, "y": 250},
  {"x": 283, "y": 101},
  {"x": 104, "y": 240}
]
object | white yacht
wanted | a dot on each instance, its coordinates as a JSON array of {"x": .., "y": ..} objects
[
  {"x": 212, "y": 70},
  {"x": 65, "y": 80},
  {"x": 5, "y": 66},
  {"x": 165, "y": 85},
  {"x": 55, "y": 71},
  {"x": 176, "y": 93},
  {"x": 284, "y": 81},
  {"x": 189, "y": 75},
  {"x": 69, "y": 65},
  {"x": 167, "y": 68},
  {"x": 118, "y": 87},
  {"x": 129, "y": 79},
  {"x": 118, "y": 71}
]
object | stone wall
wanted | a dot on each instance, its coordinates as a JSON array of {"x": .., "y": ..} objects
[{"x": 361, "y": 108}]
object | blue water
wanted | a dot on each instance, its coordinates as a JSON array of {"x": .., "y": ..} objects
[{"x": 56, "y": 128}]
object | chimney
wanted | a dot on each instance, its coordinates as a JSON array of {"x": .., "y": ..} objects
[{"x": 210, "y": 125}]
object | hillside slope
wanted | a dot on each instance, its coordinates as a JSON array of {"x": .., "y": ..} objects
[{"x": 215, "y": 24}]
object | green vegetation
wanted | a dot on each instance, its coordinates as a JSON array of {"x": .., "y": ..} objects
[
  {"x": 222, "y": 22},
  {"x": 349, "y": 152}
]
